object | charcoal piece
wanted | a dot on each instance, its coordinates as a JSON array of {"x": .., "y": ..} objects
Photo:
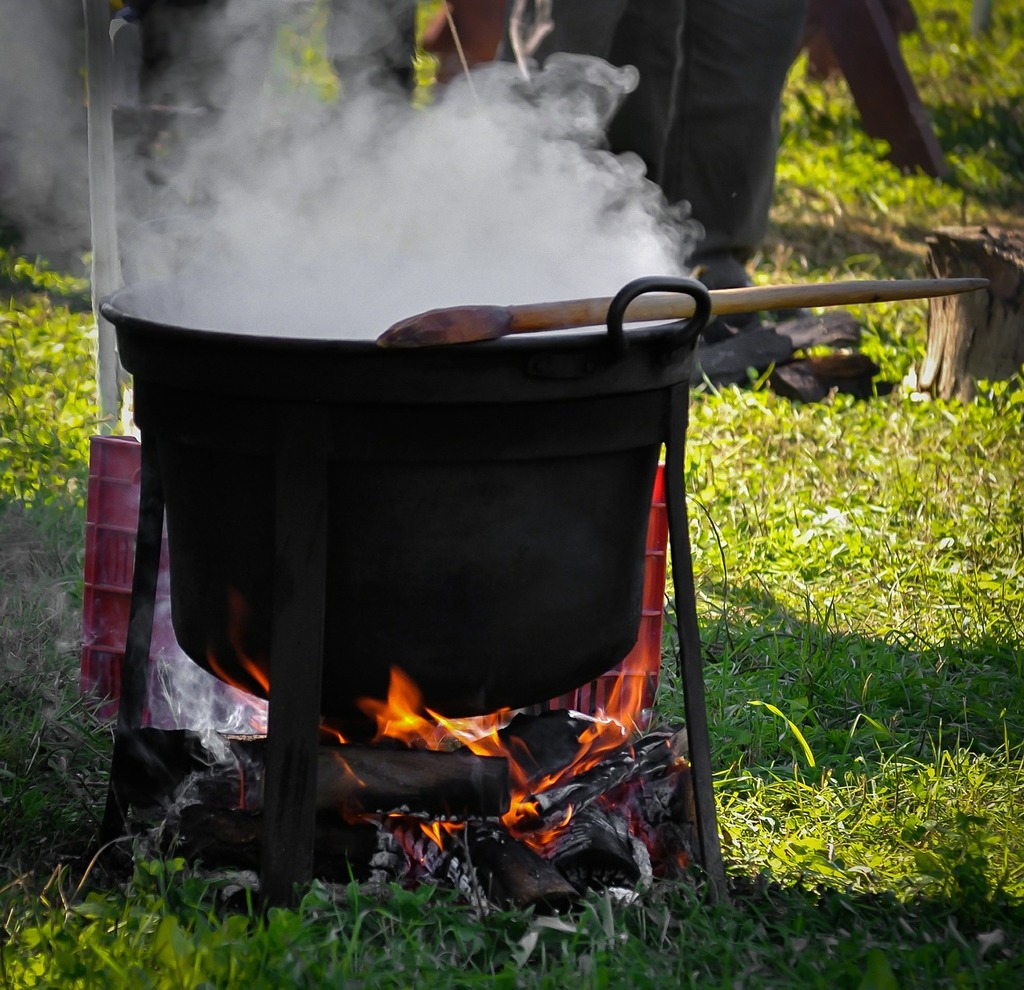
[
  {"x": 222, "y": 838},
  {"x": 594, "y": 852},
  {"x": 545, "y": 743},
  {"x": 227, "y": 772},
  {"x": 512, "y": 874},
  {"x": 648, "y": 756},
  {"x": 658, "y": 749},
  {"x": 581, "y": 789},
  {"x": 442, "y": 858},
  {"x": 666, "y": 807}
]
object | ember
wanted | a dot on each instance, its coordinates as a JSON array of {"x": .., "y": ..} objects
[
  {"x": 512, "y": 809},
  {"x": 620, "y": 824}
]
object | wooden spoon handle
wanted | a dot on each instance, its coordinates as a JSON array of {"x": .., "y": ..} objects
[
  {"x": 464, "y": 324},
  {"x": 592, "y": 312}
]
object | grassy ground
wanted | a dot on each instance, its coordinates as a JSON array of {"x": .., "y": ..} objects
[{"x": 861, "y": 593}]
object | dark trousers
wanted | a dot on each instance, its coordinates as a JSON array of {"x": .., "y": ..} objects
[
  {"x": 705, "y": 116},
  {"x": 208, "y": 52}
]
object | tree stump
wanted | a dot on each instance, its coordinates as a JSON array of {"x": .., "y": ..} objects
[{"x": 977, "y": 335}]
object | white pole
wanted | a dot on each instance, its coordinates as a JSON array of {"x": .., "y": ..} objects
[
  {"x": 106, "y": 264},
  {"x": 981, "y": 17}
]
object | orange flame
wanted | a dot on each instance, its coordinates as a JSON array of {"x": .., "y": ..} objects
[
  {"x": 333, "y": 733},
  {"x": 437, "y": 831},
  {"x": 238, "y": 619},
  {"x": 402, "y": 717}
]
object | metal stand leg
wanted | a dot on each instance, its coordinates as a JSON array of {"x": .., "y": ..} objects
[
  {"x": 135, "y": 667},
  {"x": 296, "y": 660},
  {"x": 689, "y": 644}
]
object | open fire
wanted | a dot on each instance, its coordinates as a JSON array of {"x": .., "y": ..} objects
[
  {"x": 518, "y": 807},
  {"x": 495, "y": 501},
  {"x": 513, "y": 809}
]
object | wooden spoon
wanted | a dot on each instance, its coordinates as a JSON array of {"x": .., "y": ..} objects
[{"x": 465, "y": 324}]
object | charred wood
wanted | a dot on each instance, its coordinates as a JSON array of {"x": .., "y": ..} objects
[
  {"x": 616, "y": 825},
  {"x": 726, "y": 362},
  {"x": 661, "y": 813},
  {"x": 594, "y": 851},
  {"x": 835, "y": 328},
  {"x": 542, "y": 744},
  {"x": 162, "y": 768},
  {"x": 513, "y": 875},
  {"x": 233, "y": 838},
  {"x": 432, "y": 784},
  {"x": 778, "y": 350},
  {"x": 814, "y": 378},
  {"x": 651, "y": 755}
]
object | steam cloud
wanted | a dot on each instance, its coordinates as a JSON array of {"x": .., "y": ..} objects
[
  {"x": 43, "y": 179},
  {"x": 339, "y": 219}
]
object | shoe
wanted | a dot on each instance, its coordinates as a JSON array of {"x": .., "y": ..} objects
[
  {"x": 721, "y": 272},
  {"x": 725, "y": 272},
  {"x": 721, "y": 328}
]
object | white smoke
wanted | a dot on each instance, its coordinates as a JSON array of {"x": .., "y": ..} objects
[
  {"x": 339, "y": 219},
  {"x": 43, "y": 183},
  {"x": 314, "y": 218}
]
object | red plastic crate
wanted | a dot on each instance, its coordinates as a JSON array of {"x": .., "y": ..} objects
[
  {"x": 643, "y": 663},
  {"x": 112, "y": 512},
  {"x": 182, "y": 694},
  {"x": 111, "y": 521}
]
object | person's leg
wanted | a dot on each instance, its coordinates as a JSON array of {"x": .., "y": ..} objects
[
  {"x": 642, "y": 33},
  {"x": 581, "y": 27},
  {"x": 205, "y": 53},
  {"x": 372, "y": 42},
  {"x": 722, "y": 144},
  {"x": 647, "y": 36}
]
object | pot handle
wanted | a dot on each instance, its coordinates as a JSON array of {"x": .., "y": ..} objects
[{"x": 678, "y": 335}]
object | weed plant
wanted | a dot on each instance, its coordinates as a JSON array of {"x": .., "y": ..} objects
[{"x": 861, "y": 597}]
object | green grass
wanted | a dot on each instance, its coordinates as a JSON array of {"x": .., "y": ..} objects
[
  {"x": 47, "y": 383},
  {"x": 861, "y": 596}
]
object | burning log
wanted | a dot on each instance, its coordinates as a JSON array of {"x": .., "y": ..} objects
[
  {"x": 161, "y": 768},
  {"x": 640, "y": 824},
  {"x": 589, "y": 810},
  {"x": 595, "y": 851},
  {"x": 374, "y": 779},
  {"x": 512, "y": 874},
  {"x": 653, "y": 756},
  {"x": 483, "y": 861}
]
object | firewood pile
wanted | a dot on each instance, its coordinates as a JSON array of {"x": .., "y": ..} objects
[
  {"x": 781, "y": 351},
  {"x": 535, "y": 828}
]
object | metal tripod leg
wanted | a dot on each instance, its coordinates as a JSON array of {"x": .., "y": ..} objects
[
  {"x": 135, "y": 666},
  {"x": 690, "y": 662},
  {"x": 296, "y": 658}
]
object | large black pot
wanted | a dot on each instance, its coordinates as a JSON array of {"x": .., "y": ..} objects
[{"x": 487, "y": 503}]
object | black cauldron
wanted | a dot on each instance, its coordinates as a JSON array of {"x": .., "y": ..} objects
[{"x": 487, "y": 503}]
